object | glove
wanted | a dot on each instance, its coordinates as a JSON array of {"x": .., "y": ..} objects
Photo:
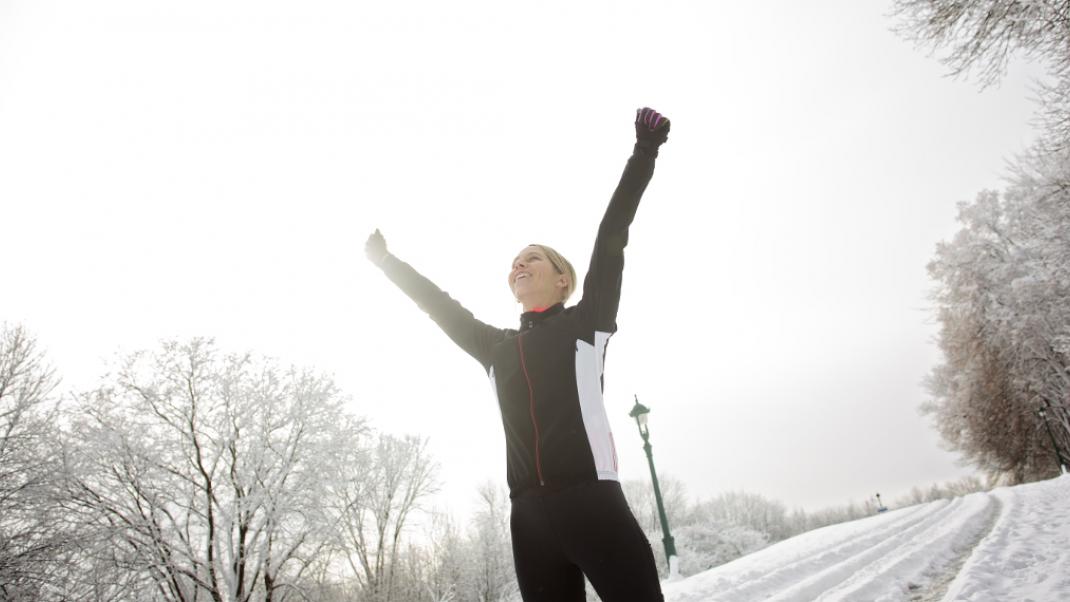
[
  {"x": 651, "y": 130},
  {"x": 375, "y": 248}
]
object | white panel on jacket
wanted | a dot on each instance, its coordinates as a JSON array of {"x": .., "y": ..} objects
[
  {"x": 589, "y": 365},
  {"x": 493, "y": 386}
]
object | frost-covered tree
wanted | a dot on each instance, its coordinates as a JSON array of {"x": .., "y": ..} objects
[
  {"x": 831, "y": 515},
  {"x": 748, "y": 510},
  {"x": 1003, "y": 302},
  {"x": 449, "y": 572},
  {"x": 203, "y": 476},
  {"x": 494, "y": 577},
  {"x": 1003, "y": 280},
  {"x": 708, "y": 543},
  {"x": 475, "y": 565},
  {"x": 940, "y": 491},
  {"x": 441, "y": 567},
  {"x": 372, "y": 512},
  {"x": 444, "y": 563},
  {"x": 980, "y": 36},
  {"x": 707, "y": 533},
  {"x": 33, "y": 535},
  {"x": 640, "y": 496}
]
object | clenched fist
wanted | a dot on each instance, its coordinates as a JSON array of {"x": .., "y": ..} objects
[
  {"x": 375, "y": 248},
  {"x": 651, "y": 129}
]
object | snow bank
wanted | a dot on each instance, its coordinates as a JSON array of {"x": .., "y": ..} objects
[{"x": 1007, "y": 544}]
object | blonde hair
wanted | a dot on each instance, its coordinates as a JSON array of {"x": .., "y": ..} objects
[{"x": 562, "y": 266}]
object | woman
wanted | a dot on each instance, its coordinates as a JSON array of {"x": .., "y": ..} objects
[{"x": 569, "y": 516}]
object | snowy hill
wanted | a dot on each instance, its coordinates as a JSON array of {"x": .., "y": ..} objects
[{"x": 1008, "y": 544}]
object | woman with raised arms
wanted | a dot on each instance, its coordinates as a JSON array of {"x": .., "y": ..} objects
[{"x": 569, "y": 517}]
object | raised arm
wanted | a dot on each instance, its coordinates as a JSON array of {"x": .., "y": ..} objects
[
  {"x": 601, "y": 286},
  {"x": 470, "y": 334}
]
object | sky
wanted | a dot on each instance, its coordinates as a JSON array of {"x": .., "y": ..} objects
[{"x": 180, "y": 169}]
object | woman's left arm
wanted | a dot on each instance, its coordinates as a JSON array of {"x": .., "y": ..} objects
[{"x": 602, "y": 284}]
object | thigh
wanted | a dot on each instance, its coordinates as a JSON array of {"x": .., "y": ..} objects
[
  {"x": 608, "y": 544},
  {"x": 543, "y": 572}
]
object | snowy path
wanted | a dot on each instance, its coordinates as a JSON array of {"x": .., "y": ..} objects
[
  {"x": 1007, "y": 544},
  {"x": 1027, "y": 554}
]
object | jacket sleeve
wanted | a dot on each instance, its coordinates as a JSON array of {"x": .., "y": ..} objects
[
  {"x": 470, "y": 334},
  {"x": 601, "y": 286}
]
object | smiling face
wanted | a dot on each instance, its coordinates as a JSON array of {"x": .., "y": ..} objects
[{"x": 534, "y": 280}]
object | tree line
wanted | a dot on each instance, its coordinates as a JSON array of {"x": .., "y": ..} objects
[
  {"x": 189, "y": 475},
  {"x": 1001, "y": 397},
  {"x": 192, "y": 475}
]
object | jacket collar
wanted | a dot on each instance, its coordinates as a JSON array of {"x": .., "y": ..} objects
[{"x": 531, "y": 319}]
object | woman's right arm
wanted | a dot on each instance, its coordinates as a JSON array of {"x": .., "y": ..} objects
[{"x": 475, "y": 337}]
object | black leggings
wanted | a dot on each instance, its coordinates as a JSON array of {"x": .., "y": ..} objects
[{"x": 584, "y": 530}]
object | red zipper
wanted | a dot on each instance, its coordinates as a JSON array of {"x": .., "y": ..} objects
[{"x": 531, "y": 409}]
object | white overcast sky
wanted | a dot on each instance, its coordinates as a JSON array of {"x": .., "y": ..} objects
[{"x": 175, "y": 169}]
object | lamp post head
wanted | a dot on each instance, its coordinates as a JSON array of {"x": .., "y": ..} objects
[{"x": 640, "y": 413}]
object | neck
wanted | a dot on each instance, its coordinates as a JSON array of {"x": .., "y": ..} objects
[{"x": 537, "y": 306}]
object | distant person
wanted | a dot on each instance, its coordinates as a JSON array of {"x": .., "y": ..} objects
[{"x": 569, "y": 516}]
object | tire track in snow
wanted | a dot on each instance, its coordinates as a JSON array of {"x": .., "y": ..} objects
[
  {"x": 1025, "y": 555},
  {"x": 842, "y": 564},
  {"x": 813, "y": 570},
  {"x": 1008, "y": 544},
  {"x": 918, "y": 562},
  {"x": 938, "y": 586},
  {"x": 797, "y": 557}
]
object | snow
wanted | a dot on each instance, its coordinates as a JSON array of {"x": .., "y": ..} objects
[
  {"x": 1011, "y": 543},
  {"x": 1026, "y": 555}
]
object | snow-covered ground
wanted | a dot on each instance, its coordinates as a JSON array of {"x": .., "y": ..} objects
[{"x": 1008, "y": 544}]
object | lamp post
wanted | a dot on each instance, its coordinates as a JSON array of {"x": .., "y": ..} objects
[
  {"x": 1058, "y": 453},
  {"x": 640, "y": 412}
]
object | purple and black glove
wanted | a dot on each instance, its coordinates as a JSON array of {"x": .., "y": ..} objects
[{"x": 651, "y": 130}]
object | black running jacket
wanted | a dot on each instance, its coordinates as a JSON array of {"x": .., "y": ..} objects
[{"x": 548, "y": 374}]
